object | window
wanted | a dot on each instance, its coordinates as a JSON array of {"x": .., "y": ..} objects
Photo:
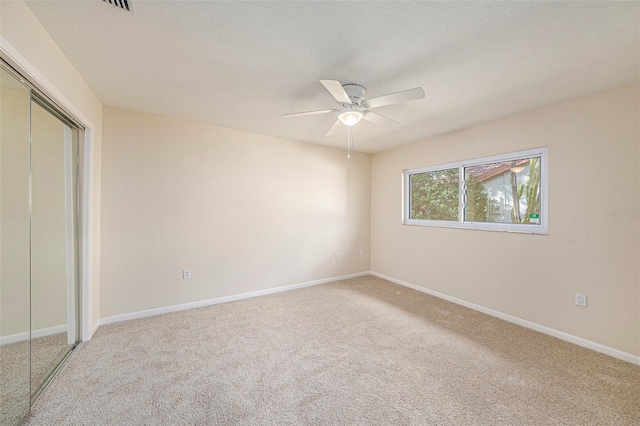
[{"x": 501, "y": 193}]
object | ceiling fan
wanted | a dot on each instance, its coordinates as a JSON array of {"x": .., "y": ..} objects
[{"x": 353, "y": 106}]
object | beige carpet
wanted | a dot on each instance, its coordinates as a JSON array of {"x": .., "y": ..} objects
[
  {"x": 362, "y": 351},
  {"x": 14, "y": 382}
]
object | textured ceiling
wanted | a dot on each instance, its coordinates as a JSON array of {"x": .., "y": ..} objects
[{"x": 243, "y": 64}]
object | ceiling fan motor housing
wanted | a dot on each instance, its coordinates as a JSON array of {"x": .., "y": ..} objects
[{"x": 355, "y": 92}]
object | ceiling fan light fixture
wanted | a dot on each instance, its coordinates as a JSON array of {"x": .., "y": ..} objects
[{"x": 350, "y": 116}]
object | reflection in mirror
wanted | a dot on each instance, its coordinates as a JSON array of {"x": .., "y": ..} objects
[{"x": 14, "y": 251}]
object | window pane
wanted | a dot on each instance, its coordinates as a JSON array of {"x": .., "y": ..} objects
[
  {"x": 506, "y": 192},
  {"x": 434, "y": 195}
]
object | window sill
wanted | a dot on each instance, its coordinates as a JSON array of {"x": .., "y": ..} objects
[{"x": 478, "y": 226}]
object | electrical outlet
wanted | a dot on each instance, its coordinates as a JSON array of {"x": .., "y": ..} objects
[
  {"x": 581, "y": 300},
  {"x": 186, "y": 274},
  {"x": 337, "y": 256},
  {"x": 361, "y": 252}
]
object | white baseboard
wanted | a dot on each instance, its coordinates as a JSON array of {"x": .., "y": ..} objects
[
  {"x": 35, "y": 334},
  {"x": 624, "y": 356},
  {"x": 201, "y": 303}
]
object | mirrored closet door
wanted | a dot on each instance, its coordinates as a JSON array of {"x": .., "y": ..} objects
[{"x": 39, "y": 294}]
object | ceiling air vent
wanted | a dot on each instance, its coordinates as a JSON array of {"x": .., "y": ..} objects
[{"x": 122, "y": 4}]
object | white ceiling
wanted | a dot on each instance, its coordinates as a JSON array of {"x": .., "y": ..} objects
[{"x": 243, "y": 64}]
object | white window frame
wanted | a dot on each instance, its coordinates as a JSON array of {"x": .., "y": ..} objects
[{"x": 541, "y": 228}]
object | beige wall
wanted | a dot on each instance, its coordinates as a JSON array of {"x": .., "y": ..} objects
[
  {"x": 594, "y": 156},
  {"x": 20, "y": 28},
  {"x": 244, "y": 212}
]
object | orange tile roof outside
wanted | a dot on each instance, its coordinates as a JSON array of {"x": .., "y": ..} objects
[{"x": 487, "y": 171}]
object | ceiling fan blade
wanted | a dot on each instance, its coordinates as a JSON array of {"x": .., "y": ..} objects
[
  {"x": 396, "y": 98},
  {"x": 302, "y": 114},
  {"x": 337, "y": 91},
  {"x": 376, "y": 118},
  {"x": 334, "y": 129}
]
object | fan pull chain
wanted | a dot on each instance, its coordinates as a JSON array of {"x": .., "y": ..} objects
[{"x": 349, "y": 141}]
